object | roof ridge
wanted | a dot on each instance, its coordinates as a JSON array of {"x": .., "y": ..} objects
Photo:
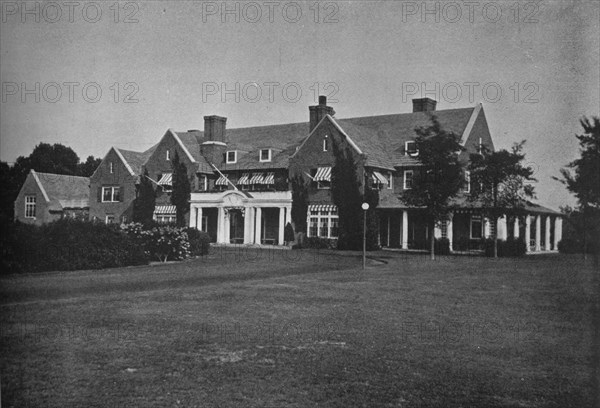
[{"x": 64, "y": 175}]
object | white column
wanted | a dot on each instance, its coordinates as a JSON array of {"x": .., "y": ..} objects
[
  {"x": 527, "y": 232},
  {"x": 288, "y": 214},
  {"x": 404, "y": 229},
  {"x": 221, "y": 226},
  {"x": 226, "y": 228},
  {"x": 547, "y": 237},
  {"x": 501, "y": 230},
  {"x": 193, "y": 217},
  {"x": 516, "y": 228},
  {"x": 388, "y": 231},
  {"x": 199, "y": 219},
  {"x": 538, "y": 233},
  {"x": 252, "y": 211},
  {"x": 557, "y": 232},
  {"x": 281, "y": 225},
  {"x": 247, "y": 230},
  {"x": 258, "y": 228},
  {"x": 449, "y": 231}
]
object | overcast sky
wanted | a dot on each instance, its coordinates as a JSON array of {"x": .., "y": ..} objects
[{"x": 533, "y": 65}]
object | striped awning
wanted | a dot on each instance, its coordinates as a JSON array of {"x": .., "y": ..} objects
[
  {"x": 322, "y": 207},
  {"x": 166, "y": 179},
  {"x": 269, "y": 178},
  {"x": 323, "y": 174},
  {"x": 379, "y": 178},
  {"x": 244, "y": 180},
  {"x": 257, "y": 178},
  {"x": 164, "y": 209},
  {"x": 221, "y": 181}
]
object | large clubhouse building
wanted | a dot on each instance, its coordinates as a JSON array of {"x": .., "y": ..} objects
[{"x": 241, "y": 189}]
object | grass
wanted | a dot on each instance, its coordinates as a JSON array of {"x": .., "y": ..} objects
[{"x": 304, "y": 329}]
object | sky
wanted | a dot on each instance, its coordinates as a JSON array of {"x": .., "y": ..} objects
[{"x": 92, "y": 75}]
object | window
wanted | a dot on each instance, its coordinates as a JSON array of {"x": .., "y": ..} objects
[
  {"x": 390, "y": 179},
  {"x": 111, "y": 166},
  {"x": 111, "y": 194},
  {"x": 326, "y": 143},
  {"x": 166, "y": 218},
  {"x": 480, "y": 149},
  {"x": 123, "y": 219},
  {"x": 204, "y": 223},
  {"x": 202, "y": 182},
  {"x": 410, "y": 148},
  {"x": 110, "y": 219},
  {"x": 323, "y": 222},
  {"x": 408, "y": 179},
  {"x": 444, "y": 228},
  {"x": 467, "y": 185},
  {"x": 30, "y": 206},
  {"x": 324, "y": 185},
  {"x": 168, "y": 155},
  {"x": 231, "y": 156},
  {"x": 476, "y": 227},
  {"x": 265, "y": 155}
]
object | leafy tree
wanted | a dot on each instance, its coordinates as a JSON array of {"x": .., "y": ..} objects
[
  {"x": 299, "y": 203},
  {"x": 499, "y": 182},
  {"x": 87, "y": 168},
  {"x": 345, "y": 191},
  {"x": 143, "y": 205},
  {"x": 584, "y": 183},
  {"x": 181, "y": 190},
  {"x": 54, "y": 158},
  {"x": 440, "y": 175}
]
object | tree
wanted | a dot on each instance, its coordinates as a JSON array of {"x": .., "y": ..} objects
[
  {"x": 181, "y": 190},
  {"x": 500, "y": 182},
  {"x": 585, "y": 182},
  {"x": 87, "y": 168},
  {"x": 299, "y": 203},
  {"x": 440, "y": 176},
  {"x": 345, "y": 191},
  {"x": 56, "y": 158},
  {"x": 143, "y": 205}
]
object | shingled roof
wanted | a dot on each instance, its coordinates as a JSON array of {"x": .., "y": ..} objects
[
  {"x": 63, "y": 191},
  {"x": 136, "y": 159}
]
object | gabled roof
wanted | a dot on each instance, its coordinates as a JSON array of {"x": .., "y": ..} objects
[
  {"x": 135, "y": 160},
  {"x": 63, "y": 191},
  {"x": 382, "y": 138},
  {"x": 191, "y": 142}
]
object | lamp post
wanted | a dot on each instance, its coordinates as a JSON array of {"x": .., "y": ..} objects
[{"x": 365, "y": 207}]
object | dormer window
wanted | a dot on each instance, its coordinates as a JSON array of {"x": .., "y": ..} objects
[
  {"x": 410, "y": 148},
  {"x": 265, "y": 155},
  {"x": 326, "y": 143},
  {"x": 168, "y": 156},
  {"x": 231, "y": 157}
]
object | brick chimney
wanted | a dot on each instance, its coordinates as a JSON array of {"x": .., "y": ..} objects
[
  {"x": 318, "y": 112},
  {"x": 424, "y": 105},
  {"x": 215, "y": 139}
]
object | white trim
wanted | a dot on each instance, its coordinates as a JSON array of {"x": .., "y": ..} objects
[
  {"x": 127, "y": 166},
  {"x": 180, "y": 144},
  {"x": 326, "y": 143},
  {"x": 337, "y": 127},
  {"x": 481, "y": 232},
  {"x": 234, "y": 156},
  {"x": 260, "y": 159},
  {"x": 467, "y": 182},
  {"x": 39, "y": 183},
  {"x": 406, "y": 153},
  {"x": 30, "y": 204},
  {"x": 390, "y": 180},
  {"x": 470, "y": 124}
]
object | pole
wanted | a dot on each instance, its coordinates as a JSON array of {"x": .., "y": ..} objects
[{"x": 364, "y": 239}]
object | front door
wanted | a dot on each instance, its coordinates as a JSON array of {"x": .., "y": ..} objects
[{"x": 236, "y": 227}]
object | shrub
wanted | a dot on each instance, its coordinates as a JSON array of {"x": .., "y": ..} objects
[
  {"x": 68, "y": 244},
  {"x": 509, "y": 248},
  {"x": 320, "y": 243},
  {"x": 199, "y": 241}
]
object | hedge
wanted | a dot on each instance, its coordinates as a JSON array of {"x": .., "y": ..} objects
[{"x": 510, "y": 248}]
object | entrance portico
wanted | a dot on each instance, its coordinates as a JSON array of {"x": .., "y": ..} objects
[{"x": 242, "y": 217}]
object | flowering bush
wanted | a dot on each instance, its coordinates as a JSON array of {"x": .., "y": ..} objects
[{"x": 162, "y": 242}]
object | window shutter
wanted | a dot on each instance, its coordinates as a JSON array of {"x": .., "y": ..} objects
[{"x": 99, "y": 194}]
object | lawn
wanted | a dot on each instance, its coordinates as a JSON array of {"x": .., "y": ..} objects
[{"x": 304, "y": 329}]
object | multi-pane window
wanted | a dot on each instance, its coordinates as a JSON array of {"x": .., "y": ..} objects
[
  {"x": 265, "y": 155},
  {"x": 444, "y": 229},
  {"x": 467, "y": 182},
  {"x": 202, "y": 182},
  {"x": 476, "y": 227},
  {"x": 410, "y": 148},
  {"x": 110, "y": 218},
  {"x": 408, "y": 179},
  {"x": 166, "y": 218},
  {"x": 30, "y": 206},
  {"x": 390, "y": 179},
  {"x": 323, "y": 222},
  {"x": 111, "y": 194},
  {"x": 231, "y": 156}
]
